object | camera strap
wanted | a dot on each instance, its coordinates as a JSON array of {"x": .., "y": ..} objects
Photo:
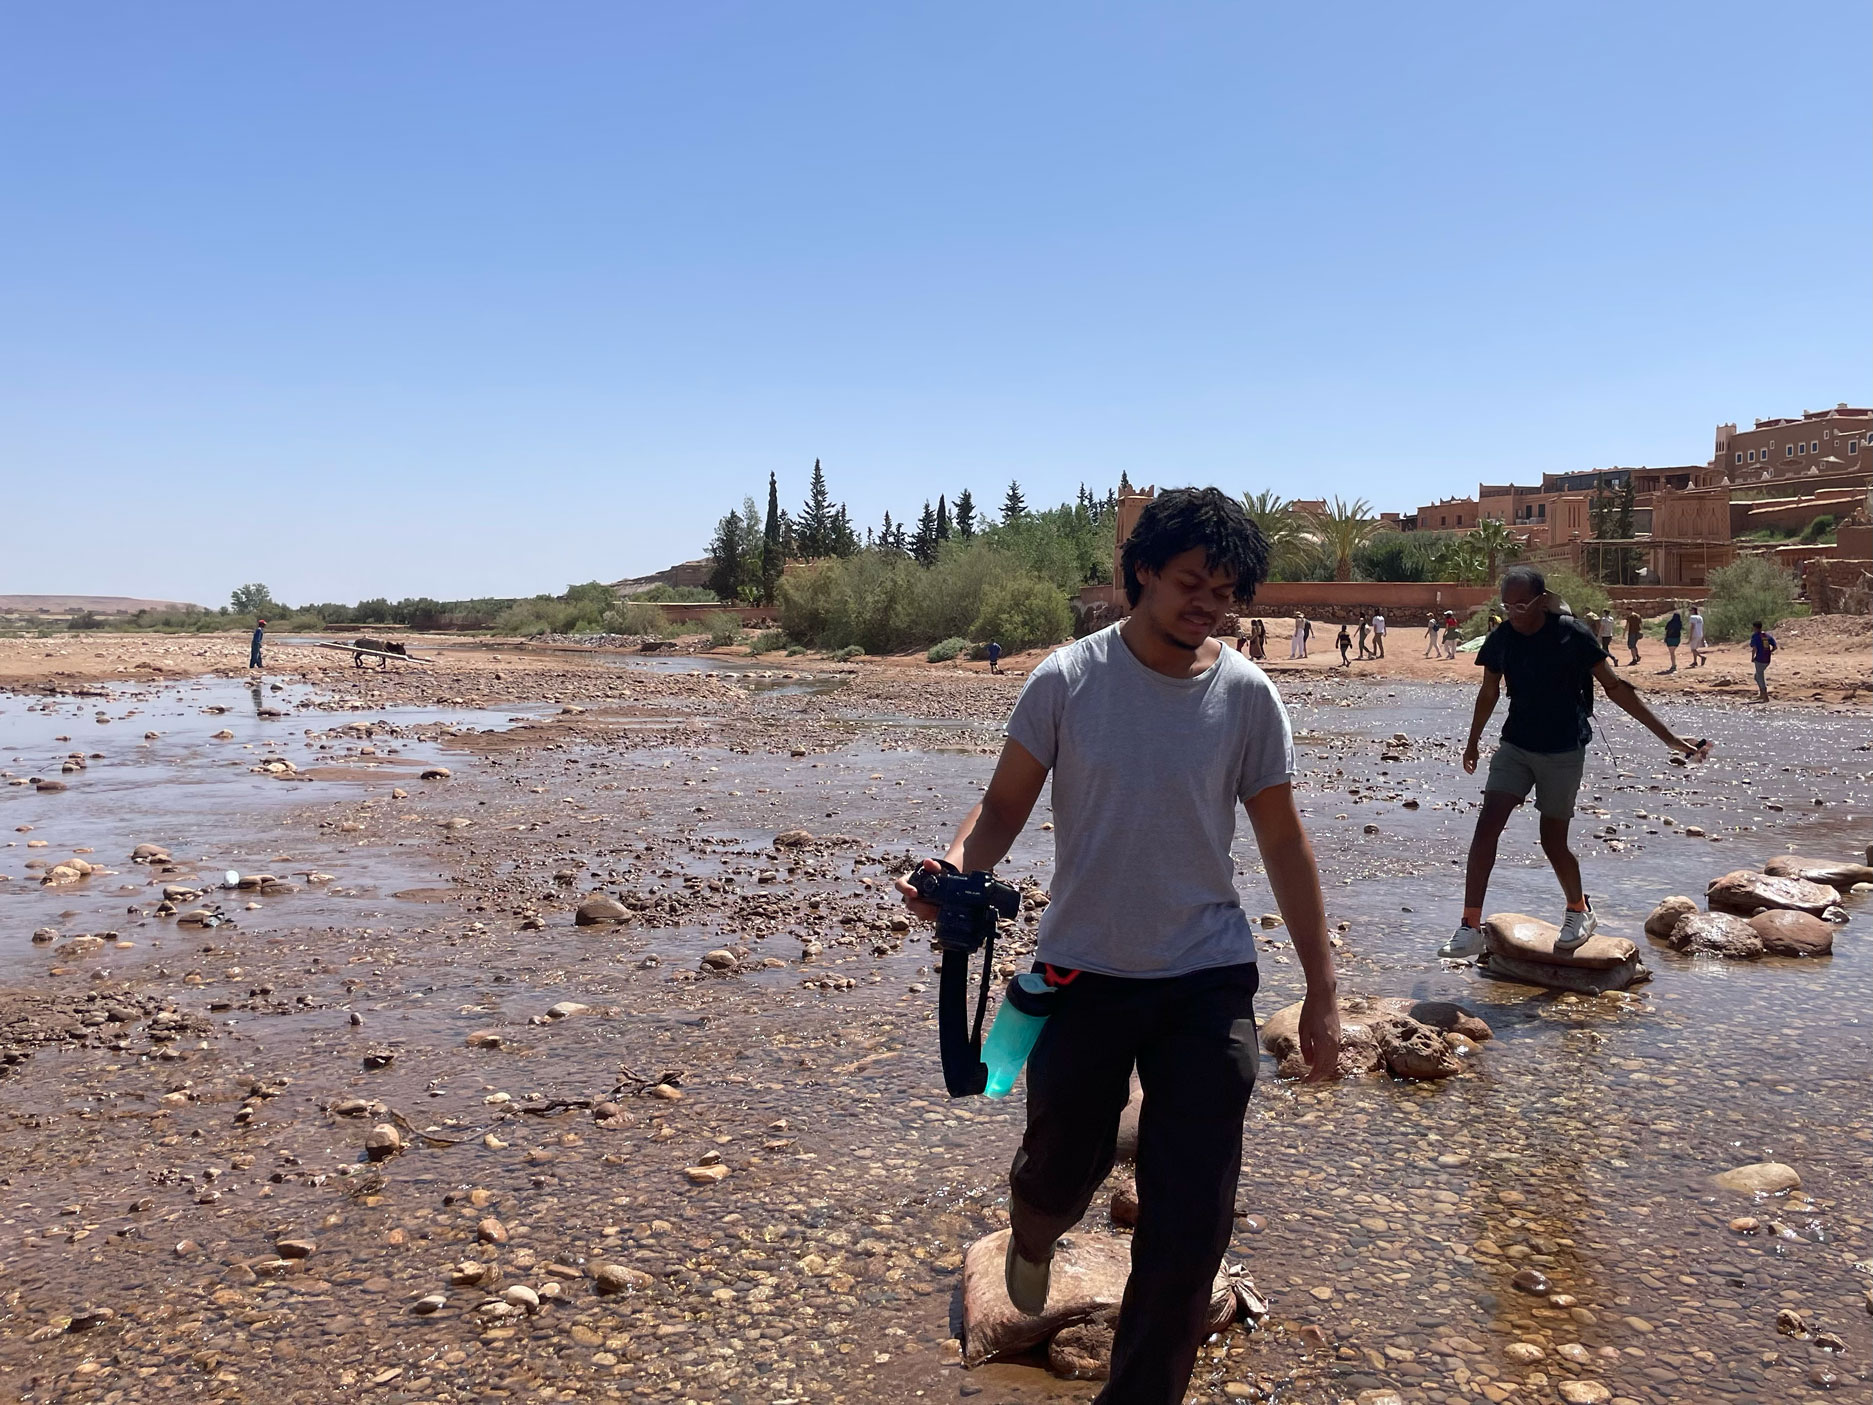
[{"x": 964, "y": 1074}]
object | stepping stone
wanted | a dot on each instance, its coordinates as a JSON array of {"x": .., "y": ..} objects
[
  {"x": 1745, "y": 894},
  {"x": 1521, "y": 948},
  {"x": 1834, "y": 875},
  {"x": 1088, "y": 1281}
]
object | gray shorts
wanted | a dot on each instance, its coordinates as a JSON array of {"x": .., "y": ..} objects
[{"x": 1554, "y": 776}]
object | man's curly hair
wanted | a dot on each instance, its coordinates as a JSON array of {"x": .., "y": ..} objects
[{"x": 1181, "y": 518}]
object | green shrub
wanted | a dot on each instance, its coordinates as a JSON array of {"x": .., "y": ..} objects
[
  {"x": 1819, "y": 528},
  {"x": 676, "y": 595},
  {"x": 1023, "y": 612},
  {"x": 795, "y": 650},
  {"x": 768, "y": 641},
  {"x": 947, "y": 649},
  {"x": 633, "y": 617},
  {"x": 850, "y": 651},
  {"x": 724, "y": 629},
  {"x": 1751, "y": 588}
]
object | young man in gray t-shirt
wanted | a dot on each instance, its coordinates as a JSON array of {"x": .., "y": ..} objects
[{"x": 1154, "y": 733}]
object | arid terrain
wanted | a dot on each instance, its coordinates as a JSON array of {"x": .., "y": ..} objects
[{"x": 384, "y": 1120}]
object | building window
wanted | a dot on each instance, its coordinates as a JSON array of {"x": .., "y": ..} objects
[
  {"x": 1853, "y": 446},
  {"x": 1788, "y": 451},
  {"x": 1739, "y": 457}
]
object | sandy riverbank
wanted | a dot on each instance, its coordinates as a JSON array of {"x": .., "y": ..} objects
[{"x": 1825, "y": 659}]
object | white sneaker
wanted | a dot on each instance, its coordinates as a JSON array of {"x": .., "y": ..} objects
[
  {"x": 1576, "y": 927},
  {"x": 1466, "y": 941}
]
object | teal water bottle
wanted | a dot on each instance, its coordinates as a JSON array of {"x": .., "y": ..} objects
[{"x": 1025, "y": 1007}]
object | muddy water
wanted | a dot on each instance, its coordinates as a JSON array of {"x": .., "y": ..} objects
[
  {"x": 1386, "y": 1221},
  {"x": 156, "y": 772}
]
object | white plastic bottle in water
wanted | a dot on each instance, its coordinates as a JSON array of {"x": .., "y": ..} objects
[{"x": 1024, "y": 1009}]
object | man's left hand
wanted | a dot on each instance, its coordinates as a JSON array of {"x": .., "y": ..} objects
[{"x": 1320, "y": 1036}]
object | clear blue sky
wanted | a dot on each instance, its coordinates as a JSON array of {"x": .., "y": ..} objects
[{"x": 460, "y": 299}]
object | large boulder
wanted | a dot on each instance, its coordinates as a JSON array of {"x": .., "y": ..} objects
[
  {"x": 1745, "y": 894},
  {"x": 1083, "y": 1352},
  {"x": 1718, "y": 934},
  {"x": 1521, "y": 948},
  {"x": 1396, "y": 1034},
  {"x": 1758, "y": 1178},
  {"x": 601, "y": 908},
  {"x": 1786, "y": 933},
  {"x": 1665, "y": 916},
  {"x": 1413, "y": 1050},
  {"x": 1088, "y": 1284},
  {"x": 1833, "y": 874}
]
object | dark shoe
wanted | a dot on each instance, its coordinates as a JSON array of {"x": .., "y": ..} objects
[{"x": 1027, "y": 1282}]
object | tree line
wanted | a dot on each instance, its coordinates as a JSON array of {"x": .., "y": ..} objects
[{"x": 751, "y": 547}]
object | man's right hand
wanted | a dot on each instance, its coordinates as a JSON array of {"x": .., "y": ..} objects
[
  {"x": 917, "y": 906},
  {"x": 1470, "y": 759}
]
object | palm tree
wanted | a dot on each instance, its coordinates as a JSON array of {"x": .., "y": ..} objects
[
  {"x": 1497, "y": 543},
  {"x": 1345, "y": 527},
  {"x": 1463, "y": 561},
  {"x": 1284, "y": 529}
]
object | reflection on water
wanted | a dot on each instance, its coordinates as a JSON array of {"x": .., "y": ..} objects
[{"x": 174, "y": 765}]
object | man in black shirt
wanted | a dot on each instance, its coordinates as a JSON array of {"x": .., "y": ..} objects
[{"x": 1550, "y": 661}]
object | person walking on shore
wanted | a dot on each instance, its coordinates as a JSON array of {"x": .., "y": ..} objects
[
  {"x": 1378, "y": 636},
  {"x": 1698, "y": 653},
  {"x": 1606, "y": 632},
  {"x": 1345, "y": 644},
  {"x": 1450, "y": 635},
  {"x": 1634, "y": 628},
  {"x": 253, "y": 648},
  {"x": 1550, "y": 663},
  {"x": 1762, "y": 647},
  {"x": 1154, "y": 734},
  {"x": 1365, "y": 631},
  {"x": 1258, "y": 639},
  {"x": 995, "y": 657},
  {"x": 1433, "y": 635},
  {"x": 1297, "y": 647},
  {"x": 1674, "y": 636}
]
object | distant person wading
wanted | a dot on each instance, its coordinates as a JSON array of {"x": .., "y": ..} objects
[
  {"x": 253, "y": 649},
  {"x": 1550, "y": 662},
  {"x": 1762, "y": 647}
]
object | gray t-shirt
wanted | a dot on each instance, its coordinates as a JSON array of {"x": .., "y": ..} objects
[{"x": 1148, "y": 772}]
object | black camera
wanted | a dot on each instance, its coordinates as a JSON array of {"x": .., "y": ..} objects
[{"x": 967, "y": 904}]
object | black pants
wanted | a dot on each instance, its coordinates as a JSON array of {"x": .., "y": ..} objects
[{"x": 1192, "y": 1038}]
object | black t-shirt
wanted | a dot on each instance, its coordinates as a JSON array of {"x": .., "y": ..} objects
[{"x": 1550, "y": 678}]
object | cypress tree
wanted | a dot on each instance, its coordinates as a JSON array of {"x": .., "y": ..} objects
[
  {"x": 727, "y": 547},
  {"x": 942, "y": 519},
  {"x": 813, "y": 533},
  {"x": 923, "y": 545},
  {"x": 965, "y": 516},
  {"x": 773, "y": 561},
  {"x": 1013, "y": 505}
]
